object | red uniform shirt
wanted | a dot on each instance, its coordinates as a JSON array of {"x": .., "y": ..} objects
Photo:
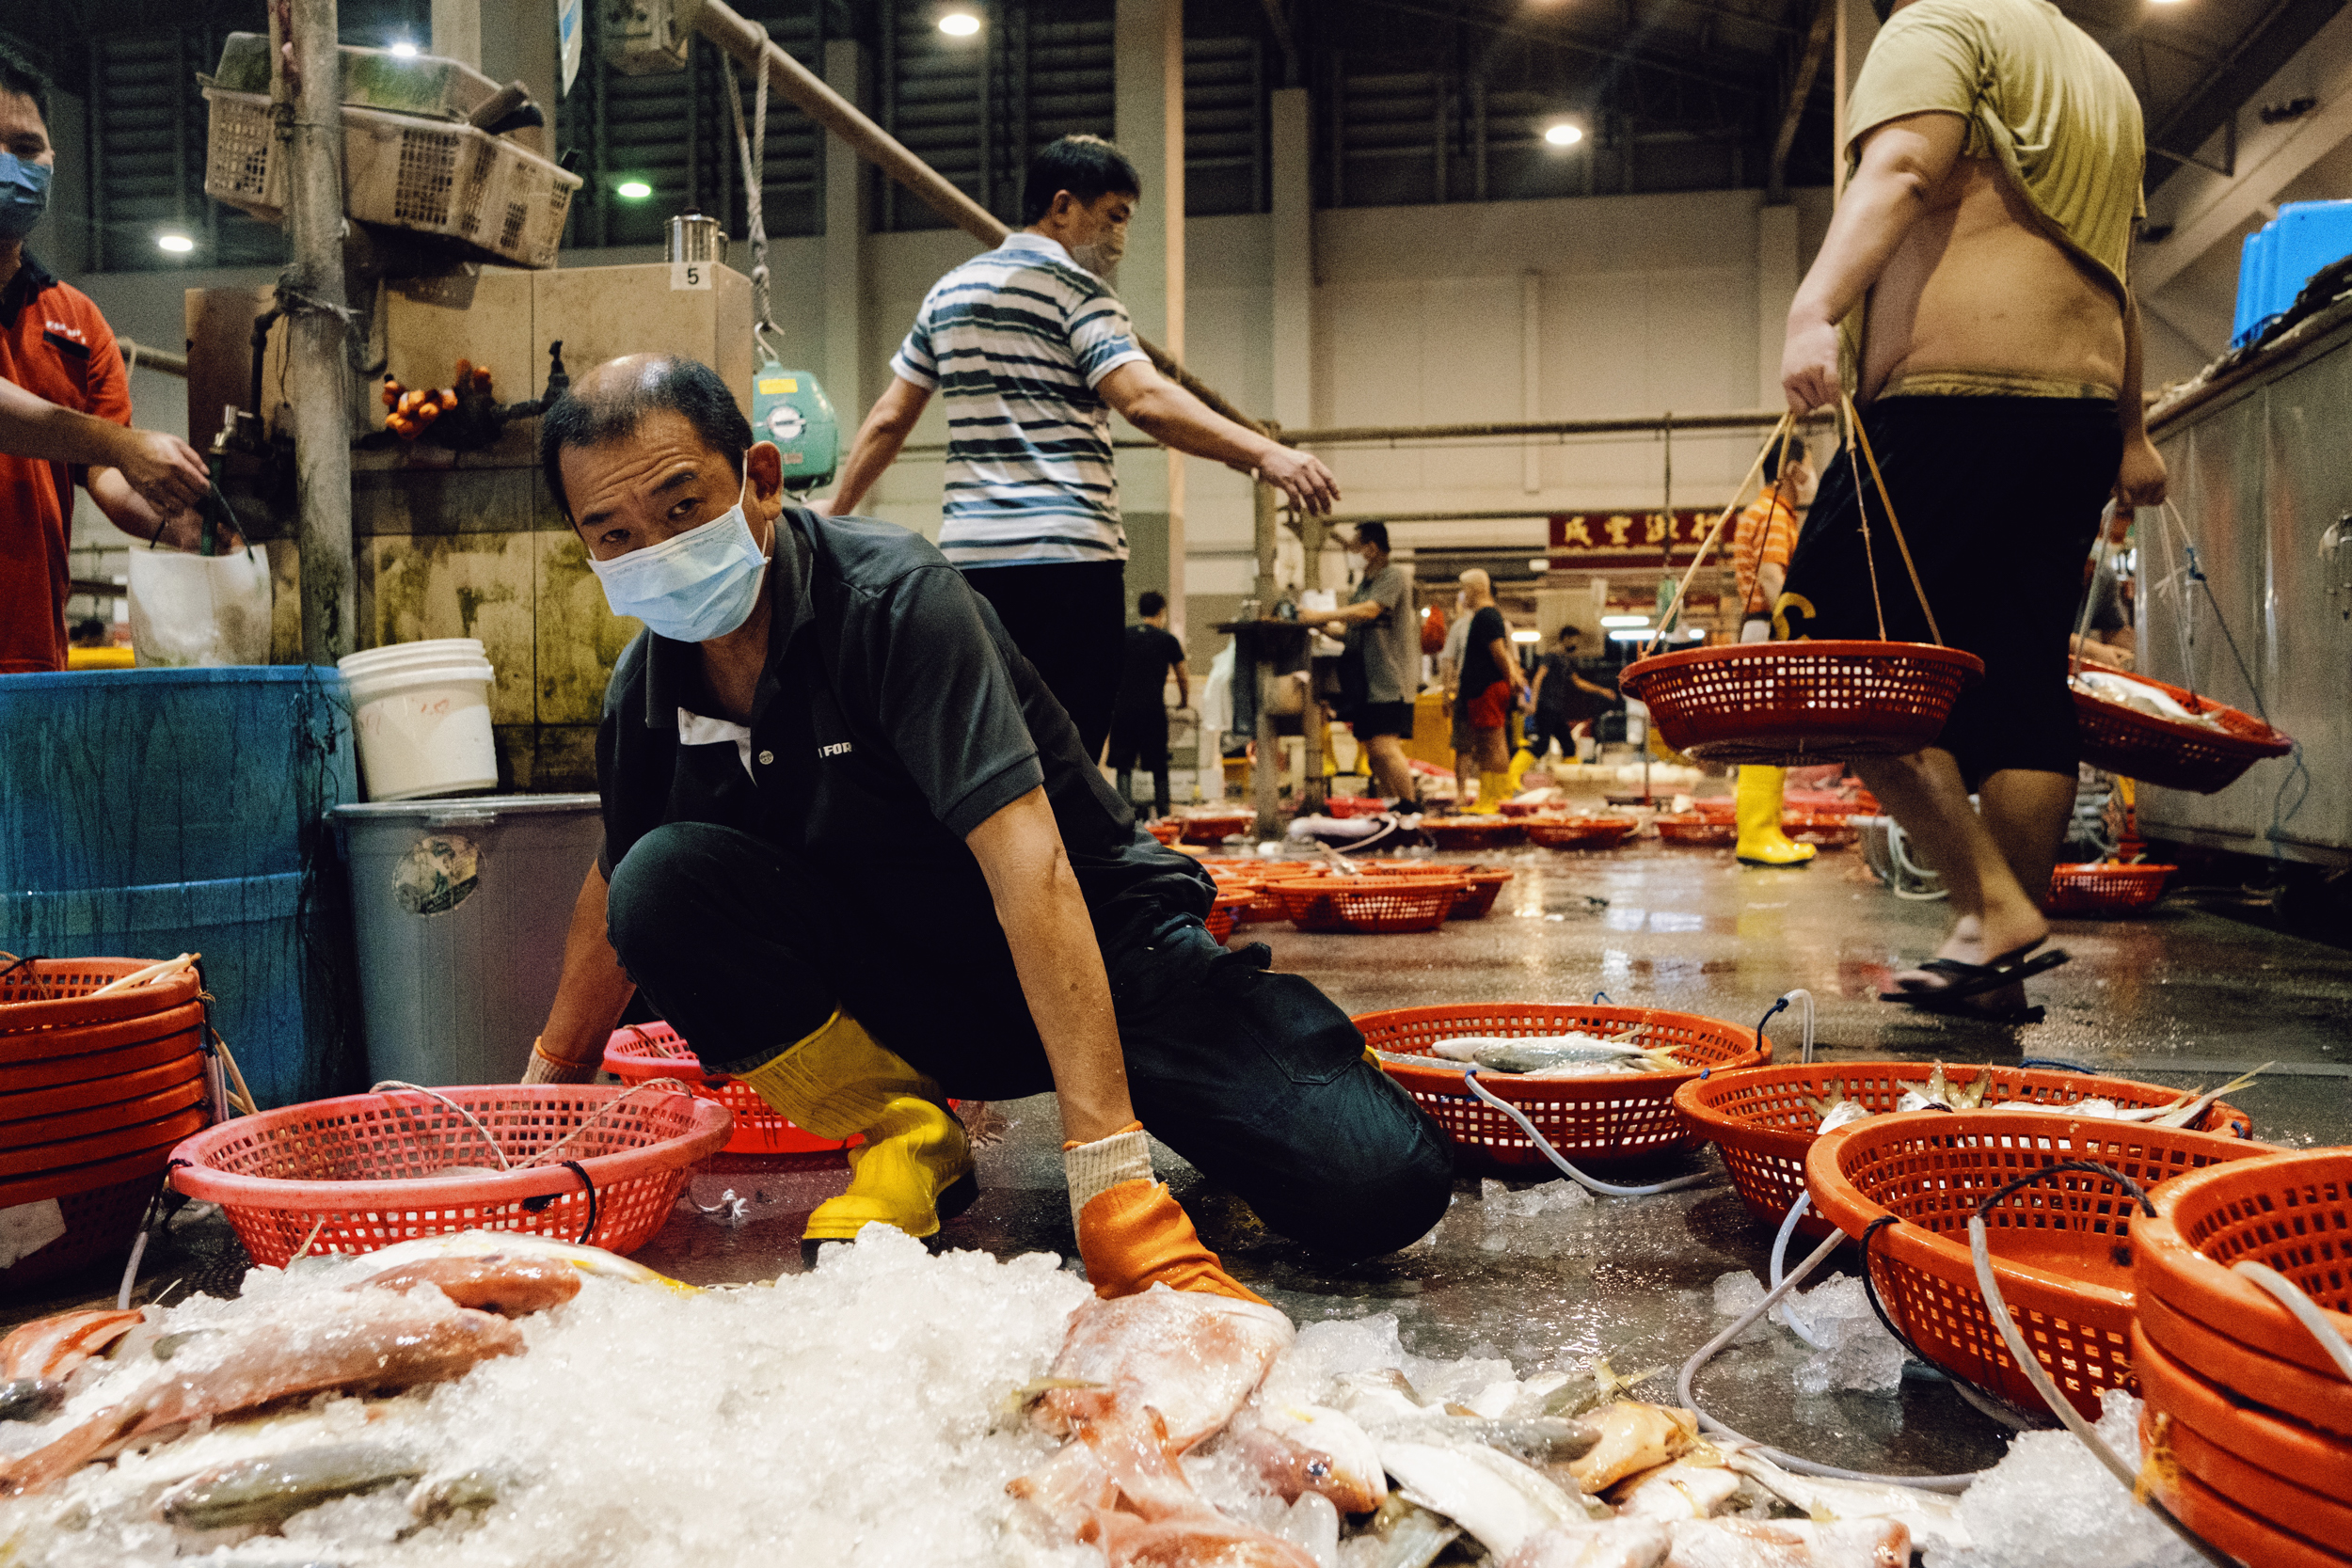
[{"x": 54, "y": 345}]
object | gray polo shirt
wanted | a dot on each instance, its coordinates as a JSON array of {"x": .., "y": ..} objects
[{"x": 1392, "y": 643}]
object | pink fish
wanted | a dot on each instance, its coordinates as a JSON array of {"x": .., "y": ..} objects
[{"x": 52, "y": 1347}]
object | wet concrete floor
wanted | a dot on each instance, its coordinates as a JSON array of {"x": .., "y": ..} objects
[{"x": 2179, "y": 997}]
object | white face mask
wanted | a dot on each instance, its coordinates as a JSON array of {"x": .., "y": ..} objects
[{"x": 697, "y": 586}]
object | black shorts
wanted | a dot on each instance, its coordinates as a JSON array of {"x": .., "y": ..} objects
[
  {"x": 1138, "y": 739},
  {"x": 1999, "y": 500},
  {"x": 1384, "y": 719}
]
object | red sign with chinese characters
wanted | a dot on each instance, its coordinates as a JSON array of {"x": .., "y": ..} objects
[{"x": 1591, "y": 541}]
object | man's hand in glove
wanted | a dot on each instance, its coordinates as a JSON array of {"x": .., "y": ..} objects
[
  {"x": 544, "y": 1069},
  {"x": 1131, "y": 1232}
]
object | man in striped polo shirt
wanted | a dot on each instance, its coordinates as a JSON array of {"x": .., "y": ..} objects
[{"x": 1032, "y": 350}]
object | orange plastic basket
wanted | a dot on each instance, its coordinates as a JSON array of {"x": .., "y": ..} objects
[
  {"x": 1228, "y": 909},
  {"x": 1356, "y": 805},
  {"x": 100, "y": 1221},
  {"x": 1826, "y": 830},
  {"x": 1796, "y": 704},
  {"x": 1581, "y": 832},
  {"x": 44, "y": 1001},
  {"x": 355, "y": 1173},
  {"x": 2239, "y": 1530},
  {"x": 1486, "y": 885},
  {"x": 2168, "y": 751},
  {"x": 1216, "y": 827},
  {"x": 1472, "y": 832},
  {"x": 763, "y": 1139},
  {"x": 1696, "y": 831},
  {"x": 2058, "y": 1246},
  {"x": 1167, "y": 832},
  {"x": 2106, "y": 887},
  {"x": 1759, "y": 1118},
  {"x": 1596, "y": 1123},
  {"x": 2240, "y": 1450},
  {"x": 1394, "y": 906},
  {"x": 2292, "y": 1212}
]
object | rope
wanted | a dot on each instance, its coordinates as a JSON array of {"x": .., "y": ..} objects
[
  {"x": 1674, "y": 604},
  {"x": 1894, "y": 525},
  {"x": 754, "y": 149},
  {"x": 1764, "y": 534},
  {"x": 471, "y": 1120},
  {"x": 549, "y": 1153},
  {"x": 2099, "y": 561}
]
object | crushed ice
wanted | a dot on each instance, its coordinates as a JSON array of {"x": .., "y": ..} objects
[{"x": 2049, "y": 1501}]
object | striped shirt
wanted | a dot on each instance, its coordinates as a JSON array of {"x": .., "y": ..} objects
[
  {"x": 1017, "y": 341},
  {"x": 1765, "y": 534}
]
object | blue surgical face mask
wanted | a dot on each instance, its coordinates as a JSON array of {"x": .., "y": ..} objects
[
  {"x": 692, "y": 588},
  {"x": 23, "y": 195}
]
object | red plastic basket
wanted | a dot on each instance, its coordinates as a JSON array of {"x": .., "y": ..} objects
[
  {"x": 1356, "y": 805},
  {"x": 1823, "y": 830},
  {"x": 1597, "y": 1123},
  {"x": 2170, "y": 753},
  {"x": 1796, "y": 704},
  {"x": 2106, "y": 887},
  {"x": 1582, "y": 832},
  {"x": 2058, "y": 1246},
  {"x": 2292, "y": 1212},
  {"x": 354, "y": 1174},
  {"x": 2249, "y": 1536},
  {"x": 1693, "y": 829},
  {"x": 100, "y": 1223},
  {"x": 2239, "y": 1450},
  {"x": 1167, "y": 832},
  {"x": 1761, "y": 1122},
  {"x": 1486, "y": 885},
  {"x": 763, "y": 1138},
  {"x": 1231, "y": 903},
  {"x": 1394, "y": 906},
  {"x": 1216, "y": 827},
  {"x": 1472, "y": 832}
]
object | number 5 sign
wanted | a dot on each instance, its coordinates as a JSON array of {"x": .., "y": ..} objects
[{"x": 691, "y": 274}]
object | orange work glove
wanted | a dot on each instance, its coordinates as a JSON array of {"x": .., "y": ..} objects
[{"x": 1131, "y": 1232}]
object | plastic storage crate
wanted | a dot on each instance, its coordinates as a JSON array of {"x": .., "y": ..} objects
[
  {"x": 2278, "y": 259},
  {"x": 425, "y": 176}
]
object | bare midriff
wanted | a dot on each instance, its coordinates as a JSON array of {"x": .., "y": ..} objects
[{"x": 1977, "y": 287}]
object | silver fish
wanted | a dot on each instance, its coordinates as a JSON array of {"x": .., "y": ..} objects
[
  {"x": 1409, "y": 1536},
  {"x": 273, "y": 1488},
  {"x": 30, "y": 1399}
]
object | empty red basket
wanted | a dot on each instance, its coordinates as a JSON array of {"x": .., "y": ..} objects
[
  {"x": 2058, "y": 1246},
  {"x": 1795, "y": 703},
  {"x": 763, "y": 1139},
  {"x": 2106, "y": 887},
  {"x": 1581, "y": 832},
  {"x": 1596, "y": 1123},
  {"x": 360, "y": 1172}
]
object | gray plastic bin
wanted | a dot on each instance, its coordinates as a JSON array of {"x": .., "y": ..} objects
[{"x": 460, "y": 908}]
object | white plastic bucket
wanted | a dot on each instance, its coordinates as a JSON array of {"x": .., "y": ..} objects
[{"x": 422, "y": 711}]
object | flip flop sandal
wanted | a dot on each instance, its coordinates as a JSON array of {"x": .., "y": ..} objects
[
  {"x": 1967, "y": 1008},
  {"x": 1964, "y": 980}
]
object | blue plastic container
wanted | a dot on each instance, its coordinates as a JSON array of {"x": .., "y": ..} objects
[
  {"x": 146, "y": 813},
  {"x": 2279, "y": 257}
]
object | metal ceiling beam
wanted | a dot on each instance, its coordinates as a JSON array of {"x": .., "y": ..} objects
[
  {"x": 2267, "y": 47},
  {"x": 1561, "y": 39},
  {"x": 1817, "y": 42}
]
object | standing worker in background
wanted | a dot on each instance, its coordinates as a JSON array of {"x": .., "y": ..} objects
[
  {"x": 1450, "y": 683},
  {"x": 1032, "y": 350},
  {"x": 65, "y": 408},
  {"x": 1139, "y": 722},
  {"x": 1379, "y": 622},
  {"x": 1491, "y": 685},
  {"x": 1971, "y": 294},
  {"x": 1760, "y": 547},
  {"x": 1563, "y": 700}
]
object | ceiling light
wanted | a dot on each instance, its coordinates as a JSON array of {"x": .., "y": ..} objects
[
  {"x": 402, "y": 48},
  {"x": 1524, "y": 636},
  {"x": 1634, "y": 634},
  {"x": 1541, "y": 563},
  {"x": 959, "y": 25},
  {"x": 1625, "y": 620},
  {"x": 1564, "y": 132},
  {"x": 178, "y": 244},
  {"x": 632, "y": 190}
]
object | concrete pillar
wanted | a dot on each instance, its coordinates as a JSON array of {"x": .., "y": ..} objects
[
  {"x": 849, "y": 203},
  {"x": 1293, "y": 149},
  {"x": 1858, "y": 25},
  {"x": 1531, "y": 376},
  {"x": 457, "y": 31},
  {"x": 518, "y": 43},
  {"x": 1777, "y": 279},
  {"x": 1148, "y": 86}
]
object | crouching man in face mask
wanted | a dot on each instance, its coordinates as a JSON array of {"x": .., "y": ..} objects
[{"x": 857, "y": 856}]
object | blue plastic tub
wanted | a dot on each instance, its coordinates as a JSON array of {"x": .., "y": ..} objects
[
  {"x": 133, "y": 777},
  {"x": 147, "y": 813},
  {"x": 2279, "y": 257}
]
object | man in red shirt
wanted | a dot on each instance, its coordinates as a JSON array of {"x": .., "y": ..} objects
[{"x": 65, "y": 408}]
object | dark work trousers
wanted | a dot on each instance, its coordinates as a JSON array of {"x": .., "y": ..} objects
[
  {"x": 1139, "y": 738},
  {"x": 1071, "y": 620},
  {"x": 1256, "y": 1078}
]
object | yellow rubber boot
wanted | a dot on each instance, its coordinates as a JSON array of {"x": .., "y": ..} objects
[
  {"x": 1756, "y": 808},
  {"x": 916, "y": 1167},
  {"x": 1521, "y": 761},
  {"x": 1493, "y": 789}
]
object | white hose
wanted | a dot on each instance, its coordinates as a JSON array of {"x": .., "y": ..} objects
[
  {"x": 1787, "y": 1460},
  {"x": 1807, "y": 996},
  {"x": 1590, "y": 1183},
  {"x": 1780, "y": 1257},
  {"x": 1905, "y": 866},
  {"x": 2306, "y": 1310}
]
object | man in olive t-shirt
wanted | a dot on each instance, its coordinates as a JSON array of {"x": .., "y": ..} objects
[{"x": 1379, "y": 619}]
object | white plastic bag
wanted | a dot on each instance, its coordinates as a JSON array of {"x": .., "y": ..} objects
[{"x": 205, "y": 610}]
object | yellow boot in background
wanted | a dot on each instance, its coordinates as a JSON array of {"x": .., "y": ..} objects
[
  {"x": 1756, "y": 808},
  {"x": 1493, "y": 789},
  {"x": 915, "y": 1167},
  {"x": 1521, "y": 761}
]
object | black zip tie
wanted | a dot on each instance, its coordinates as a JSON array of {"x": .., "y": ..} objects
[
  {"x": 2053, "y": 1062},
  {"x": 2088, "y": 1168},
  {"x": 539, "y": 1205}
]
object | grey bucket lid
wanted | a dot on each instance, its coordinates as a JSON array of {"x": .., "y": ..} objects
[{"x": 467, "y": 808}]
